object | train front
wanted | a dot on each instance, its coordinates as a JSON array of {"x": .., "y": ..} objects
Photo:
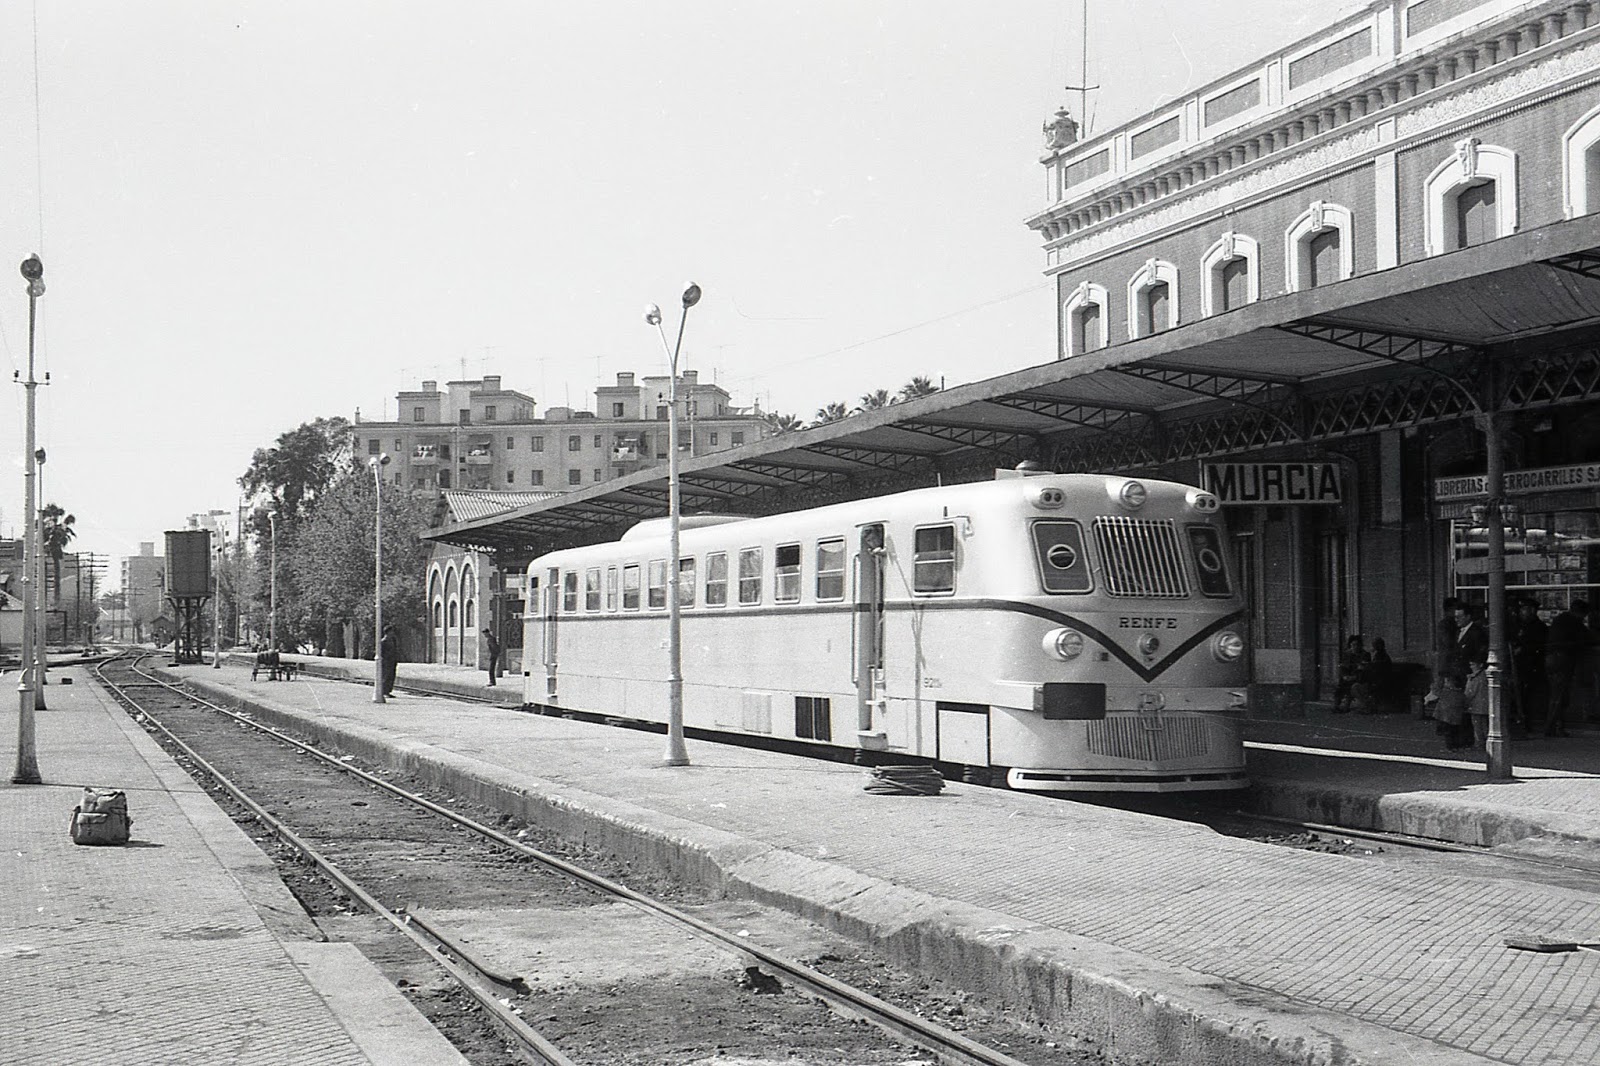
[{"x": 1128, "y": 671}]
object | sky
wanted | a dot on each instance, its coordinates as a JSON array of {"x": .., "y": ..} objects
[{"x": 255, "y": 214}]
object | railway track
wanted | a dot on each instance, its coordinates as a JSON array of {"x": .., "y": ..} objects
[{"x": 411, "y": 860}]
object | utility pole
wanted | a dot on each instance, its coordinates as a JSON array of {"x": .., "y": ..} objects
[{"x": 27, "y": 768}]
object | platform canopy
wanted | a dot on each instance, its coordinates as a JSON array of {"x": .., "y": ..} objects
[{"x": 1405, "y": 346}]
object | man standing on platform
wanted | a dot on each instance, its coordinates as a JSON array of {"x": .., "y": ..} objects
[
  {"x": 493, "y": 644},
  {"x": 1564, "y": 644},
  {"x": 390, "y": 646}
]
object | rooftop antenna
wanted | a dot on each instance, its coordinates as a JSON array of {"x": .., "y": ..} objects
[{"x": 1083, "y": 88}]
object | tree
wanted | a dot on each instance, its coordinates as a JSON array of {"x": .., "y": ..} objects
[
  {"x": 777, "y": 423},
  {"x": 333, "y": 556},
  {"x": 57, "y": 533},
  {"x": 299, "y": 467},
  {"x": 834, "y": 412},
  {"x": 915, "y": 388},
  {"x": 876, "y": 400},
  {"x": 287, "y": 480}
]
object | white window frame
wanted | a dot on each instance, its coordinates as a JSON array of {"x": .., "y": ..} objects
[
  {"x": 1575, "y": 145},
  {"x": 1318, "y": 218},
  {"x": 1229, "y": 247},
  {"x": 1153, "y": 273},
  {"x": 1472, "y": 163},
  {"x": 1085, "y": 294}
]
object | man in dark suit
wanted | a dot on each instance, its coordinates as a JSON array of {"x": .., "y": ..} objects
[{"x": 1564, "y": 644}]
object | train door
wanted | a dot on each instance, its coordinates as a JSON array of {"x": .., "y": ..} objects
[
  {"x": 549, "y": 600},
  {"x": 866, "y": 635},
  {"x": 1330, "y": 601}
]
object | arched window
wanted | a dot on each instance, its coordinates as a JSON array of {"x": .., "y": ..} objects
[
  {"x": 1458, "y": 209},
  {"x": 1580, "y": 165},
  {"x": 1153, "y": 298},
  {"x": 1085, "y": 320},
  {"x": 452, "y": 614},
  {"x": 472, "y": 615},
  {"x": 1319, "y": 246},
  {"x": 438, "y": 613},
  {"x": 1231, "y": 274}
]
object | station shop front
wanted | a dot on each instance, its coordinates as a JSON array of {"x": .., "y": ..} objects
[{"x": 1368, "y": 535}]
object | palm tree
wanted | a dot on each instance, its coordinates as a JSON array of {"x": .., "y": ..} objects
[
  {"x": 56, "y": 532},
  {"x": 876, "y": 400},
  {"x": 834, "y": 412},
  {"x": 917, "y": 386},
  {"x": 777, "y": 423}
]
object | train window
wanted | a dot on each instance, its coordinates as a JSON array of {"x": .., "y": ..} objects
[
  {"x": 717, "y": 579},
  {"x": 611, "y": 588},
  {"x": 750, "y": 575},
  {"x": 1208, "y": 562},
  {"x": 630, "y": 587},
  {"x": 786, "y": 573},
  {"x": 1063, "y": 564},
  {"x": 569, "y": 591},
  {"x": 686, "y": 582},
  {"x": 933, "y": 567},
  {"x": 591, "y": 589},
  {"x": 658, "y": 584},
  {"x": 830, "y": 569}
]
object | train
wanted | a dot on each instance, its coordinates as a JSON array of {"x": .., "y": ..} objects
[{"x": 1051, "y": 632}]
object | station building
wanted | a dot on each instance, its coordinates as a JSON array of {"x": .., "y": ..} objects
[
  {"x": 1408, "y": 131},
  {"x": 1318, "y": 286}
]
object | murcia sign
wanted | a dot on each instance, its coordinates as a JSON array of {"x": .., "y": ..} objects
[
  {"x": 1544, "y": 479},
  {"x": 1273, "y": 483}
]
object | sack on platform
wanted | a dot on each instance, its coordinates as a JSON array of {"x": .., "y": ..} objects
[{"x": 101, "y": 817}]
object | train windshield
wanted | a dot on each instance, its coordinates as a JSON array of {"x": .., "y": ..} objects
[{"x": 1063, "y": 564}]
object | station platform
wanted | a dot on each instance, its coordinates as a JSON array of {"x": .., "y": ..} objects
[
  {"x": 1159, "y": 939},
  {"x": 182, "y": 946}
]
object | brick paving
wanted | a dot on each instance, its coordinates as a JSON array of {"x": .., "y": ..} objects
[
  {"x": 150, "y": 953},
  {"x": 1414, "y": 953}
]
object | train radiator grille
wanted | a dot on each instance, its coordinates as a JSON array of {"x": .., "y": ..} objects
[
  {"x": 1142, "y": 557},
  {"x": 1132, "y": 737}
]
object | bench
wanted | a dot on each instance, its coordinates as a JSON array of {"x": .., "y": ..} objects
[{"x": 277, "y": 668}]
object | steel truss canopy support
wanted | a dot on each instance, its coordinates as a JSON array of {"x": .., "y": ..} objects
[{"x": 1392, "y": 349}]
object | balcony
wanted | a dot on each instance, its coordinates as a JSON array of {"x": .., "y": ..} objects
[
  {"x": 479, "y": 455},
  {"x": 425, "y": 453}
]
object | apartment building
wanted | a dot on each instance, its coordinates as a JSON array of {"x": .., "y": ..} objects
[{"x": 478, "y": 435}]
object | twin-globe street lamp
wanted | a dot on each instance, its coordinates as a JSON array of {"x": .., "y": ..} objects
[
  {"x": 377, "y": 462},
  {"x": 677, "y": 754}
]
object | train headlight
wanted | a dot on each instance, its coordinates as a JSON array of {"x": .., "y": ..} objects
[
  {"x": 1204, "y": 502},
  {"x": 1132, "y": 495},
  {"x": 1227, "y": 646},
  {"x": 1064, "y": 644},
  {"x": 1149, "y": 644}
]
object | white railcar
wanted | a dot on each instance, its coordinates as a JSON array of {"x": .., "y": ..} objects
[{"x": 1077, "y": 632}]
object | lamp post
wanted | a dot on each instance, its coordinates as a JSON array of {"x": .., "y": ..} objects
[
  {"x": 272, "y": 593},
  {"x": 377, "y": 462},
  {"x": 677, "y": 753},
  {"x": 42, "y": 611},
  {"x": 27, "y": 766}
]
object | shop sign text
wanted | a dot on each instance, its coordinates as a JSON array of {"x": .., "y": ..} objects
[{"x": 1545, "y": 479}]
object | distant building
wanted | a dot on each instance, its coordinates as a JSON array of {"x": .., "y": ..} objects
[
  {"x": 479, "y": 436},
  {"x": 144, "y": 587}
]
